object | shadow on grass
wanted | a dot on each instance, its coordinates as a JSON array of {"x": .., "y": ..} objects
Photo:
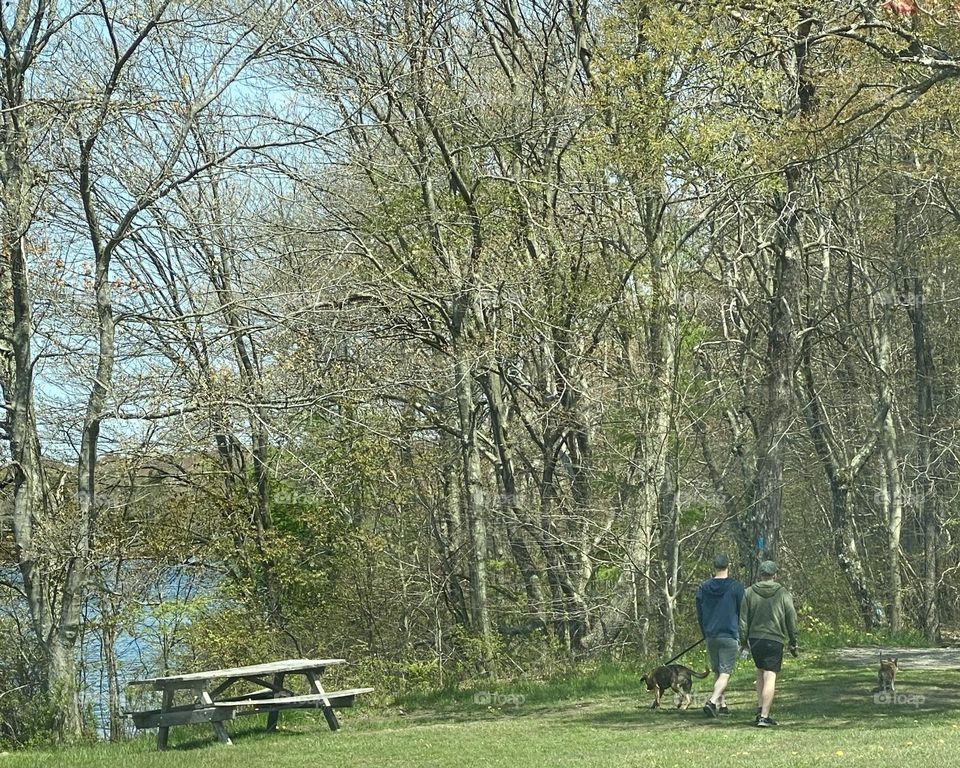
[
  {"x": 197, "y": 737},
  {"x": 827, "y": 699},
  {"x": 858, "y": 706},
  {"x": 604, "y": 679},
  {"x": 814, "y": 692}
]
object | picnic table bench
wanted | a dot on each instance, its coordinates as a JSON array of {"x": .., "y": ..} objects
[{"x": 212, "y": 704}]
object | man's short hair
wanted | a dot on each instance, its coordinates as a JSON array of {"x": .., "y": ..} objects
[
  {"x": 720, "y": 562},
  {"x": 768, "y": 568}
]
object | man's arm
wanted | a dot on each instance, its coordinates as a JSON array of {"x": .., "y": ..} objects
[
  {"x": 745, "y": 619},
  {"x": 790, "y": 614},
  {"x": 738, "y": 596},
  {"x": 700, "y": 608}
]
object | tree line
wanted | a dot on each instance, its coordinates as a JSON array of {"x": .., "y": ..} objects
[{"x": 456, "y": 336}]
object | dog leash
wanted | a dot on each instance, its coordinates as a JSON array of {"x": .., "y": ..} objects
[{"x": 685, "y": 650}]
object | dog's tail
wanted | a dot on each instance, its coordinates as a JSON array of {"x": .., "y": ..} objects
[{"x": 696, "y": 674}]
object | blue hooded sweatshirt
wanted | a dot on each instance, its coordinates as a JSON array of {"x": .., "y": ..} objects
[{"x": 718, "y": 607}]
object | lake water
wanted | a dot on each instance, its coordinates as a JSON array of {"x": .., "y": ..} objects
[{"x": 149, "y": 614}]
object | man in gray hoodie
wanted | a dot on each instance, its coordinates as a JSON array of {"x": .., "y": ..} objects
[{"x": 767, "y": 618}]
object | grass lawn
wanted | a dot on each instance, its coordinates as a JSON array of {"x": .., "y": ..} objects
[{"x": 827, "y": 716}]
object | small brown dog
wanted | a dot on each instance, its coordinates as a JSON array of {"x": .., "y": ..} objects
[
  {"x": 888, "y": 675},
  {"x": 675, "y": 677}
]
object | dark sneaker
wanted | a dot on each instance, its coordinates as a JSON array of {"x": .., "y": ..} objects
[
  {"x": 765, "y": 722},
  {"x": 724, "y": 710},
  {"x": 710, "y": 709}
]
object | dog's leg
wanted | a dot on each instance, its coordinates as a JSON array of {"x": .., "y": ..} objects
[
  {"x": 678, "y": 695},
  {"x": 886, "y": 683},
  {"x": 656, "y": 698}
]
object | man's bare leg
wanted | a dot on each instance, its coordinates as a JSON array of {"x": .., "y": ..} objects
[
  {"x": 767, "y": 681},
  {"x": 719, "y": 686}
]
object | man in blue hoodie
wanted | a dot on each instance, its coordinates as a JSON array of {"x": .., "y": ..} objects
[{"x": 718, "y": 613}]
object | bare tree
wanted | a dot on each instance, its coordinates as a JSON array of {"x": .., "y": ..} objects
[{"x": 97, "y": 174}]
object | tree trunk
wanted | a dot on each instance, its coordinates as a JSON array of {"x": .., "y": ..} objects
[
  {"x": 670, "y": 545},
  {"x": 62, "y": 685},
  {"x": 631, "y": 600},
  {"x": 16, "y": 339},
  {"x": 841, "y": 474},
  {"x": 112, "y": 673},
  {"x": 475, "y": 504},
  {"x": 846, "y": 547},
  {"x": 447, "y": 527},
  {"x": 510, "y": 499},
  {"x": 892, "y": 482},
  {"x": 766, "y": 492},
  {"x": 30, "y": 497},
  {"x": 929, "y": 519}
]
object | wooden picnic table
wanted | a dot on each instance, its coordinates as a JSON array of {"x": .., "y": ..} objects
[{"x": 214, "y": 703}]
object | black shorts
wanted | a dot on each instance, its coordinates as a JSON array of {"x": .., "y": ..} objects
[{"x": 767, "y": 654}]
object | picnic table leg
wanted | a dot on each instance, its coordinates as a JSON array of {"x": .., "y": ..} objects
[
  {"x": 274, "y": 715},
  {"x": 165, "y": 703},
  {"x": 328, "y": 712},
  {"x": 218, "y": 727}
]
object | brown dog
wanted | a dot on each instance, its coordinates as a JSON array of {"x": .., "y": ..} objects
[
  {"x": 675, "y": 677},
  {"x": 888, "y": 675}
]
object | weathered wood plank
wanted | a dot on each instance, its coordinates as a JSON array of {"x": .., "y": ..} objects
[
  {"x": 155, "y": 718},
  {"x": 273, "y": 716},
  {"x": 164, "y": 730},
  {"x": 273, "y": 667},
  {"x": 231, "y": 681},
  {"x": 263, "y": 693},
  {"x": 217, "y": 725},
  {"x": 293, "y": 701},
  {"x": 328, "y": 714}
]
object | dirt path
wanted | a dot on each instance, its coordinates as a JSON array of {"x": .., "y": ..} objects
[{"x": 916, "y": 658}]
